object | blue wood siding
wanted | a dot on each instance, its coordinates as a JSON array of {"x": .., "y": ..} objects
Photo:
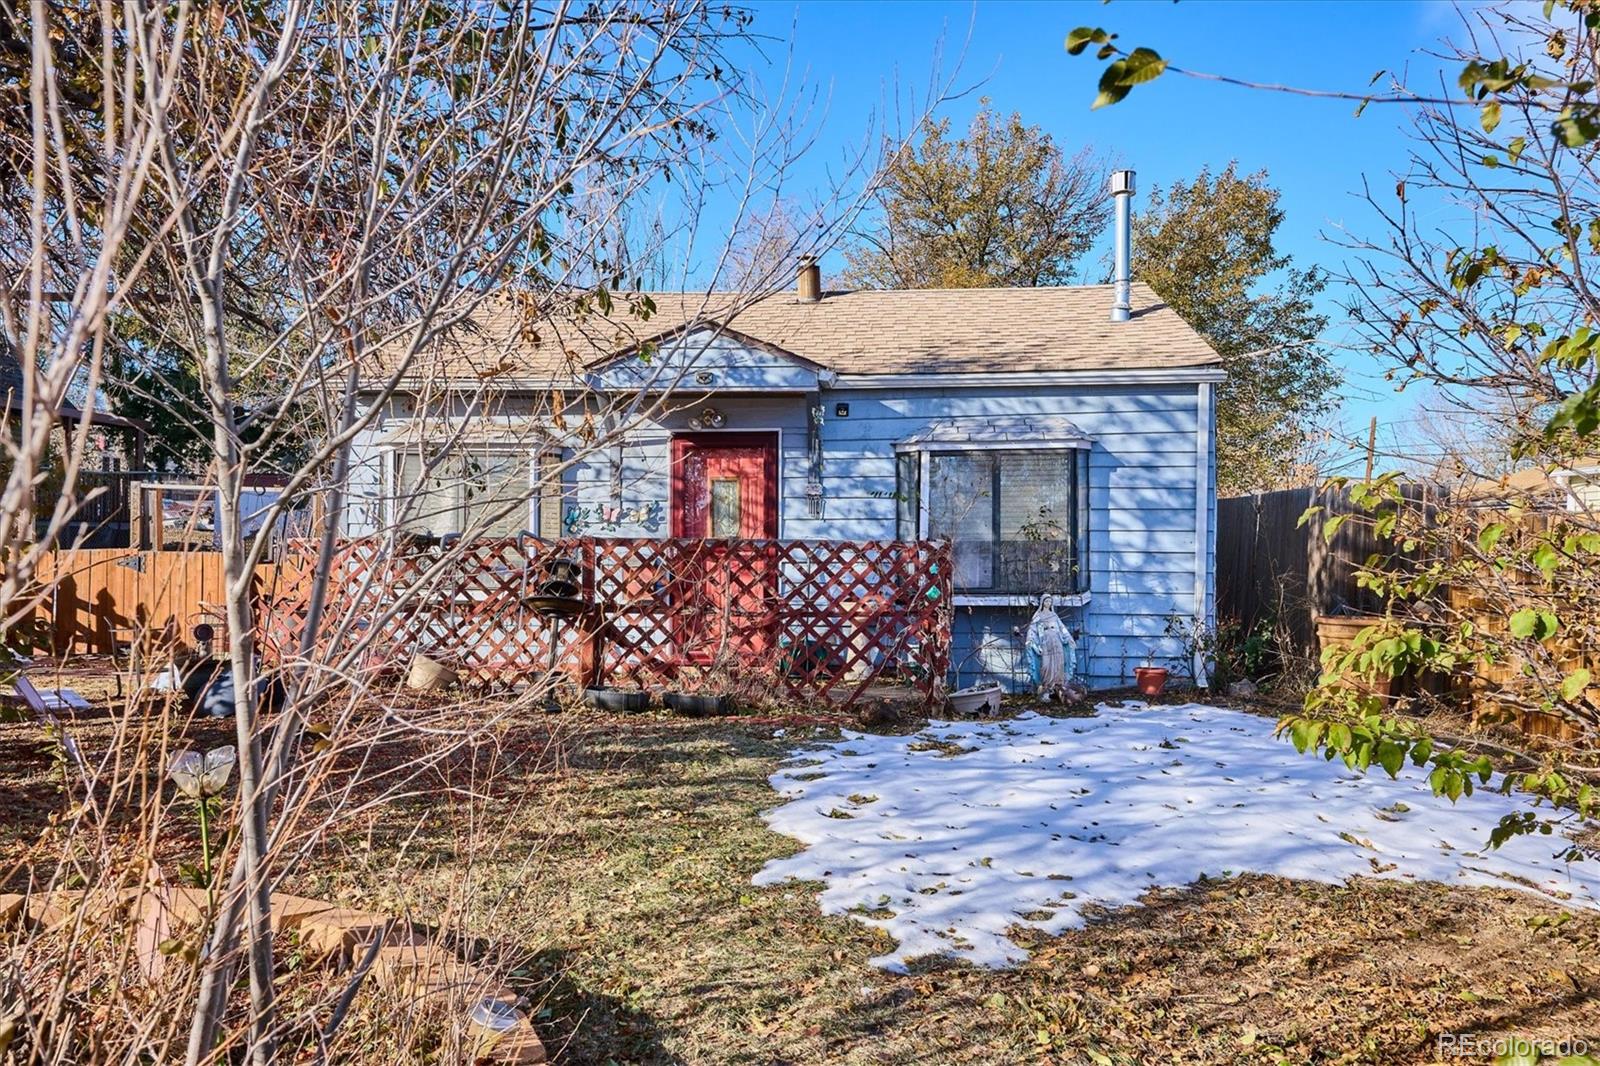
[
  {"x": 703, "y": 359},
  {"x": 1142, "y": 504}
]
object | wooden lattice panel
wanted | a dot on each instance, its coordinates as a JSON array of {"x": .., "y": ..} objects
[{"x": 807, "y": 618}]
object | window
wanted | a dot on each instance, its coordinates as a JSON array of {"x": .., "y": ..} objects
[
  {"x": 484, "y": 491},
  {"x": 1017, "y": 520}
]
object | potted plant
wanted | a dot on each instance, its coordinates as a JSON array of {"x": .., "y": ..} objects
[{"x": 1150, "y": 679}]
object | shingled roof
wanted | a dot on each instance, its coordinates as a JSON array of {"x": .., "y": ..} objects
[{"x": 897, "y": 331}]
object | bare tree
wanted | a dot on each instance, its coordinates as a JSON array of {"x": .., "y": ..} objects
[{"x": 314, "y": 204}]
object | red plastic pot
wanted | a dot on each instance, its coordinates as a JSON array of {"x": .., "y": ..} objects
[{"x": 1150, "y": 679}]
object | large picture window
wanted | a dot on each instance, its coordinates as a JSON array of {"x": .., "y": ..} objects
[
  {"x": 482, "y": 490},
  {"x": 1017, "y": 520}
]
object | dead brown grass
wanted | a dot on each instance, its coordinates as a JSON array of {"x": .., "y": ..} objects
[{"x": 611, "y": 876}]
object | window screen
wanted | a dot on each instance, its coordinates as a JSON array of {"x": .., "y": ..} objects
[
  {"x": 551, "y": 501},
  {"x": 494, "y": 493},
  {"x": 961, "y": 509},
  {"x": 425, "y": 499},
  {"x": 1038, "y": 548}
]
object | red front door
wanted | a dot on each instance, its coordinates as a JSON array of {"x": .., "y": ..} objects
[
  {"x": 725, "y": 485},
  {"x": 725, "y": 497}
]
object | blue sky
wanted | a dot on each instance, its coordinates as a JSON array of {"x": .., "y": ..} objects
[{"x": 1316, "y": 151}]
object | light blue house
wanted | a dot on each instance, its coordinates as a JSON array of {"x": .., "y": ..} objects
[{"x": 1062, "y": 445}]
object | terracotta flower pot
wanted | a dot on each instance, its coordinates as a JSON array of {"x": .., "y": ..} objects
[
  {"x": 1150, "y": 679},
  {"x": 430, "y": 675}
]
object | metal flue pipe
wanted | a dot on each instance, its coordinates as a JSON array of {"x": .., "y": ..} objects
[{"x": 1122, "y": 276}]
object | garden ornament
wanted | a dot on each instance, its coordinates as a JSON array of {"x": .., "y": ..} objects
[
  {"x": 1052, "y": 653},
  {"x": 198, "y": 776}
]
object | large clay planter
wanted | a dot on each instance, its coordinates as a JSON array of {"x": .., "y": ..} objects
[
  {"x": 429, "y": 675},
  {"x": 1150, "y": 679},
  {"x": 1341, "y": 631}
]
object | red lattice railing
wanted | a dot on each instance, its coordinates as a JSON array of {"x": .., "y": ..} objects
[{"x": 797, "y": 617}]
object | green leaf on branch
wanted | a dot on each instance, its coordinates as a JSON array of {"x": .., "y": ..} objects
[
  {"x": 1579, "y": 412},
  {"x": 1531, "y": 624},
  {"x": 1139, "y": 66},
  {"x": 1574, "y": 684},
  {"x": 1339, "y": 737},
  {"x": 1420, "y": 752},
  {"x": 1490, "y": 115},
  {"x": 1083, "y": 37},
  {"x": 1576, "y": 128}
]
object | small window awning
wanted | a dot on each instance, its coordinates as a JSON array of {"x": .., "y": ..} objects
[{"x": 997, "y": 431}]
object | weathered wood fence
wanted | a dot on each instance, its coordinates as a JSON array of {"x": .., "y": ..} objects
[
  {"x": 102, "y": 600},
  {"x": 1271, "y": 569},
  {"x": 789, "y": 617}
]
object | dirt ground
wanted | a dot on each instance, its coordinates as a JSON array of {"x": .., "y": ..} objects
[{"x": 611, "y": 860}]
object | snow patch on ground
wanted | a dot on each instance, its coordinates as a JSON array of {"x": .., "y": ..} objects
[{"x": 948, "y": 838}]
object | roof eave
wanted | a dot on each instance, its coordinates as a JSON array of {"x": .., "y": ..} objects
[{"x": 1185, "y": 375}]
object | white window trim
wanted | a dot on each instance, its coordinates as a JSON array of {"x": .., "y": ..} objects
[
  {"x": 925, "y": 451},
  {"x": 1077, "y": 444},
  {"x": 1003, "y": 599},
  {"x": 1203, "y": 533}
]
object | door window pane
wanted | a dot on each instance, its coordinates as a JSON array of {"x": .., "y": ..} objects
[{"x": 725, "y": 507}]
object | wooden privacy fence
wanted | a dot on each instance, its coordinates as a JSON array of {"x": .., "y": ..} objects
[
  {"x": 1271, "y": 569},
  {"x": 1513, "y": 687},
  {"x": 798, "y": 617},
  {"x": 101, "y": 600}
]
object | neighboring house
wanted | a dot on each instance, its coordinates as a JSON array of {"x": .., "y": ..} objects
[
  {"x": 114, "y": 443},
  {"x": 1574, "y": 488},
  {"x": 1582, "y": 486},
  {"x": 1059, "y": 450}
]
